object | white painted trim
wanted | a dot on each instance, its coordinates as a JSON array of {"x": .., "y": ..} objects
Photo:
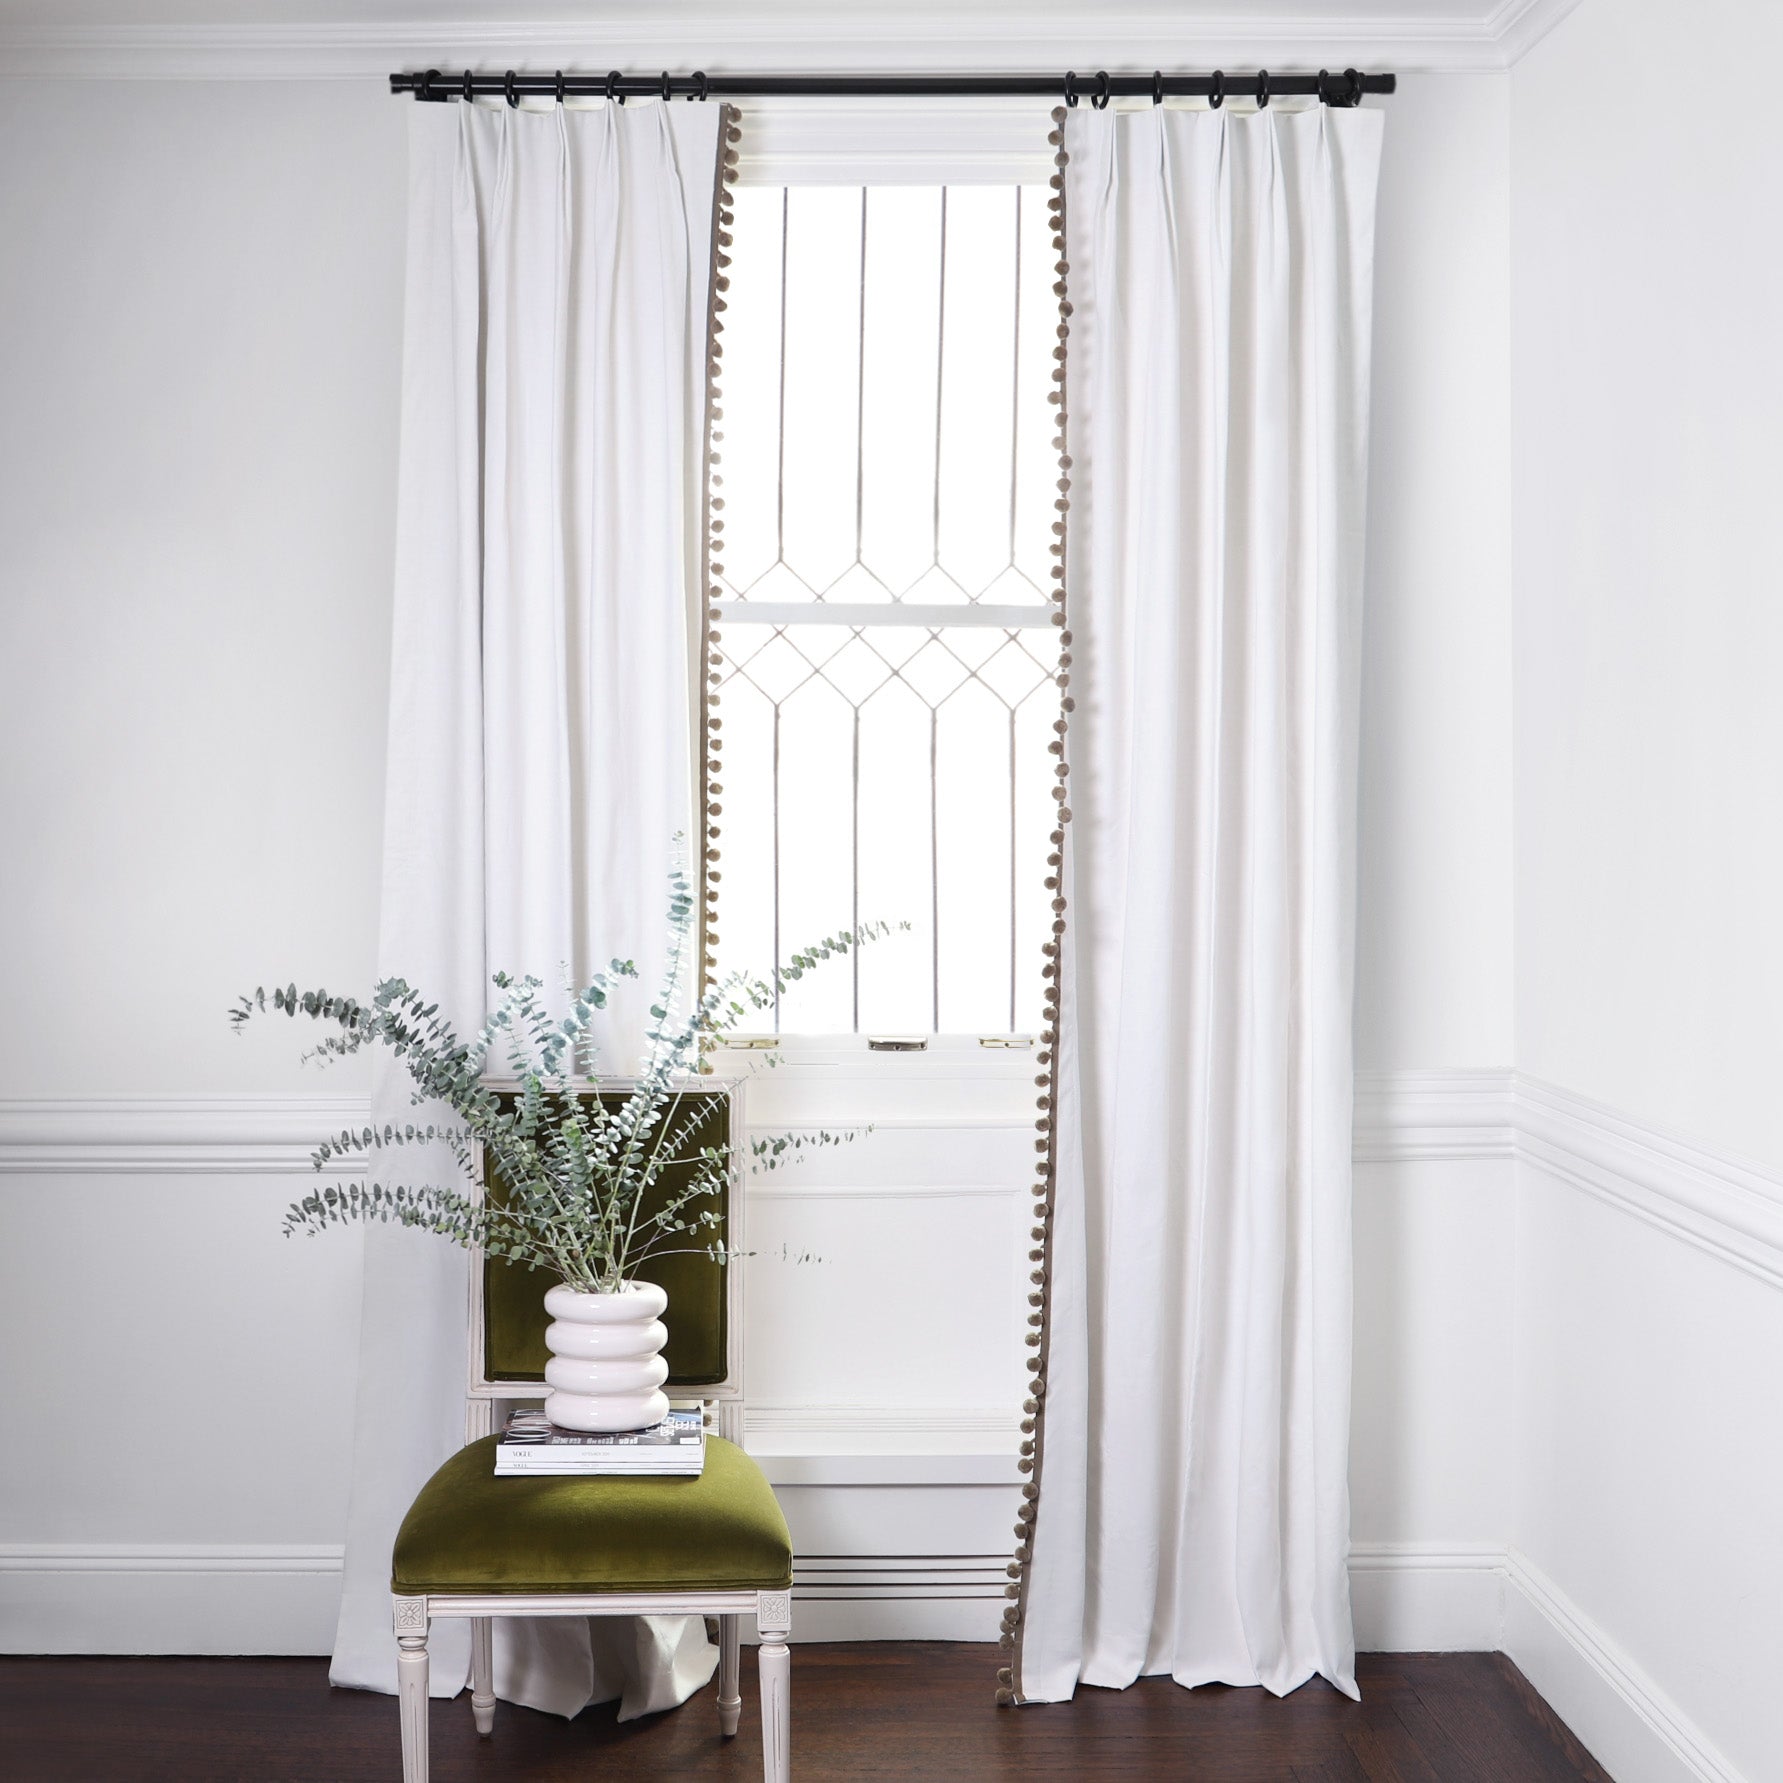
[
  {"x": 107, "y": 1597},
  {"x": 1724, "y": 1204},
  {"x": 915, "y": 1191},
  {"x": 792, "y": 41},
  {"x": 1422, "y": 1597},
  {"x": 970, "y": 143},
  {"x": 931, "y": 1440},
  {"x": 942, "y": 1058},
  {"x": 931, "y": 1467},
  {"x": 1404, "y": 1117},
  {"x": 174, "y": 1135},
  {"x": 1617, "y": 1711},
  {"x": 1519, "y": 25},
  {"x": 168, "y": 1597},
  {"x": 904, "y": 1124},
  {"x": 856, "y": 615},
  {"x": 861, "y": 1617},
  {"x": 1413, "y": 1597},
  {"x": 1409, "y": 1597},
  {"x": 169, "y": 1557}
]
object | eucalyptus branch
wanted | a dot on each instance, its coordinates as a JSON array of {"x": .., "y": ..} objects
[{"x": 583, "y": 1186}]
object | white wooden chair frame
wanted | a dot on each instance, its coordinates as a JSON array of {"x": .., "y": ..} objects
[{"x": 772, "y": 1610}]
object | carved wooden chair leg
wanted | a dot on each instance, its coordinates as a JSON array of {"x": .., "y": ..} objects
[
  {"x": 483, "y": 1673},
  {"x": 730, "y": 1694},
  {"x": 411, "y": 1684},
  {"x": 773, "y": 1621}
]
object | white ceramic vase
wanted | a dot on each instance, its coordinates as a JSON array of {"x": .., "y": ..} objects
[{"x": 606, "y": 1372}]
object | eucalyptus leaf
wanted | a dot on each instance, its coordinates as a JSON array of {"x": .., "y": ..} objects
[{"x": 578, "y": 1175}]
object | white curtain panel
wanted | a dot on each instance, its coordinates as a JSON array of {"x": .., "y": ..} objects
[
  {"x": 1192, "y": 1516},
  {"x": 559, "y": 268}
]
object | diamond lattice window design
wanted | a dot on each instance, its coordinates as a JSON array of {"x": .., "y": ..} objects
[{"x": 884, "y": 694}]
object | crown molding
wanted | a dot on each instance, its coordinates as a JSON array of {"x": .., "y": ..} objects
[
  {"x": 787, "y": 42},
  {"x": 1517, "y": 26}
]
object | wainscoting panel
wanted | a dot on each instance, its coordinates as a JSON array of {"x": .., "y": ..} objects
[
  {"x": 909, "y": 1302},
  {"x": 891, "y": 1440},
  {"x": 176, "y": 1371}
]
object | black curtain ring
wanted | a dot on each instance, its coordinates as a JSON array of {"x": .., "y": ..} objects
[
  {"x": 701, "y": 78},
  {"x": 1216, "y": 90},
  {"x": 469, "y": 92},
  {"x": 560, "y": 89},
  {"x": 510, "y": 91},
  {"x": 1324, "y": 86},
  {"x": 614, "y": 96},
  {"x": 1100, "y": 99},
  {"x": 427, "y": 81},
  {"x": 665, "y": 86},
  {"x": 1353, "y": 76},
  {"x": 1157, "y": 86},
  {"x": 1070, "y": 88},
  {"x": 1262, "y": 88}
]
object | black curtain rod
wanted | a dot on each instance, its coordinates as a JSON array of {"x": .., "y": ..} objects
[{"x": 1346, "y": 88}]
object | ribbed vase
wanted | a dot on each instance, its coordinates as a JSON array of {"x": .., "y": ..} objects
[{"x": 606, "y": 1371}]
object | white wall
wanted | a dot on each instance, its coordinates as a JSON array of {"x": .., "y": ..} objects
[
  {"x": 201, "y": 303},
  {"x": 201, "y": 294},
  {"x": 1648, "y": 286},
  {"x": 1434, "y": 922},
  {"x": 1649, "y": 360},
  {"x": 1434, "y": 973},
  {"x": 199, "y": 332}
]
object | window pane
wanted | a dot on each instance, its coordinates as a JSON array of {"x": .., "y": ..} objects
[{"x": 886, "y": 693}]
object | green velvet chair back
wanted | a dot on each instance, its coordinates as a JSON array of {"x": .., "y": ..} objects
[{"x": 508, "y": 1319}]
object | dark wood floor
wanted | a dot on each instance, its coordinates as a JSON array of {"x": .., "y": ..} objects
[{"x": 919, "y": 1710}]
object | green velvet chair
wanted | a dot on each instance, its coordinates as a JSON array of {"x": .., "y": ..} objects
[{"x": 472, "y": 1545}]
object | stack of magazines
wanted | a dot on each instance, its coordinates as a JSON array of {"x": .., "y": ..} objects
[{"x": 532, "y": 1444}]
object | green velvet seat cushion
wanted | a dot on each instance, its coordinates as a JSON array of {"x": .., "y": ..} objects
[{"x": 470, "y": 1533}]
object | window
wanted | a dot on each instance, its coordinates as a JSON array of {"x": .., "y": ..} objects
[
  {"x": 882, "y": 612},
  {"x": 884, "y": 692}
]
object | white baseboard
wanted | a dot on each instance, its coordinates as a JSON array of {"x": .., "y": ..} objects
[
  {"x": 58, "y": 1597},
  {"x": 1408, "y": 1597},
  {"x": 219, "y": 1598},
  {"x": 1427, "y": 1598},
  {"x": 1621, "y": 1716},
  {"x": 1414, "y": 1597}
]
